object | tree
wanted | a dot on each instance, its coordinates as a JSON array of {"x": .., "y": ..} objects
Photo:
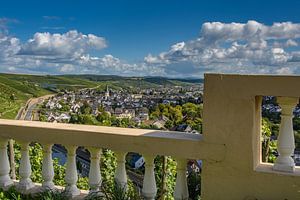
[
  {"x": 86, "y": 108},
  {"x": 169, "y": 124},
  {"x": 268, "y": 147},
  {"x": 266, "y": 134},
  {"x": 12, "y": 97},
  {"x": 87, "y": 119},
  {"x": 104, "y": 119}
]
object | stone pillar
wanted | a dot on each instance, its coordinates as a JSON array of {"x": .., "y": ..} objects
[
  {"x": 120, "y": 174},
  {"x": 181, "y": 189},
  {"x": 71, "y": 173},
  {"x": 25, "y": 182},
  {"x": 149, "y": 185},
  {"x": 286, "y": 141},
  {"x": 5, "y": 180},
  {"x": 47, "y": 168},
  {"x": 94, "y": 173}
]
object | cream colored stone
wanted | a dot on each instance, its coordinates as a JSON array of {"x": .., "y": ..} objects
[
  {"x": 232, "y": 117},
  {"x": 47, "y": 168},
  {"x": 95, "y": 179},
  {"x": 143, "y": 141},
  {"x": 120, "y": 174},
  {"x": 286, "y": 140}
]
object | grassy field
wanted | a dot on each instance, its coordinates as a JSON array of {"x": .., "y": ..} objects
[{"x": 14, "y": 94}]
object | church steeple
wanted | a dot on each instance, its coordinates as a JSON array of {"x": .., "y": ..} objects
[{"x": 107, "y": 91}]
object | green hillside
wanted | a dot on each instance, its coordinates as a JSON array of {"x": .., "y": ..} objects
[
  {"x": 134, "y": 82},
  {"x": 49, "y": 82},
  {"x": 15, "y": 93},
  {"x": 16, "y": 89}
]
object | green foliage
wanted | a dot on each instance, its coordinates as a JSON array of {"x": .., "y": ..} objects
[
  {"x": 43, "y": 118},
  {"x": 108, "y": 167},
  {"x": 151, "y": 126},
  {"x": 83, "y": 119},
  {"x": 65, "y": 107},
  {"x": 87, "y": 119},
  {"x": 169, "y": 124},
  {"x": 194, "y": 185},
  {"x": 13, "y": 194},
  {"x": 170, "y": 176},
  {"x": 86, "y": 108},
  {"x": 36, "y": 157},
  {"x": 104, "y": 118},
  {"x": 296, "y": 123},
  {"x": 297, "y": 139},
  {"x": 116, "y": 192},
  {"x": 268, "y": 147},
  {"x": 189, "y": 113}
]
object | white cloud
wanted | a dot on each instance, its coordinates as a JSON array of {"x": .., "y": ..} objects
[
  {"x": 67, "y": 68},
  {"x": 9, "y": 46},
  {"x": 291, "y": 43},
  {"x": 284, "y": 70},
  {"x": 68, "y": 45},
  {"x": 250, "y": 47},
  {"x": 236, "y": 48}
]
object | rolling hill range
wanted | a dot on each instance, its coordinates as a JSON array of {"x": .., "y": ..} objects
[
  {"x": 16, "y": 89},
  {"x": 135, "y": 82}
]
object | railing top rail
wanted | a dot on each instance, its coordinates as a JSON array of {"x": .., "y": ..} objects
[
  {"x": 252, "y": 85},
  {"x": 144, "y": 141}
]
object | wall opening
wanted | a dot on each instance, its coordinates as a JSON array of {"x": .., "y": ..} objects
[{"x": 270, "y": 123}]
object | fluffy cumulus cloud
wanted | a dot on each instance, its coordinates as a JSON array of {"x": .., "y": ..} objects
[
  {"x": 65, "y": 53},
  {"x": 250, "y": 47},
  {"x": 68, "y": 45}
]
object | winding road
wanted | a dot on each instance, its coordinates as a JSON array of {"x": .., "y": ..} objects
[{"x": 25, "y": 113}]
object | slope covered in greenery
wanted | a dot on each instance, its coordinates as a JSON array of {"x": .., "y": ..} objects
[
  {"x": 134, "y": 82},
  {"x": 16, "y": 89},
  {"x": 14, "y": 94}
]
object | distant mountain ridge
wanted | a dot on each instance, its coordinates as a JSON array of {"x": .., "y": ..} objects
[{"x": 152, "y": 79}]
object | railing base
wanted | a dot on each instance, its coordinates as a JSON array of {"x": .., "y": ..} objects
[
  {"x": 5, "y": 182},
  {"x": 284, "y": 168}
]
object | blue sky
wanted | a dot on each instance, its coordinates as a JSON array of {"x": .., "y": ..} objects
[{"x": 166, "y": 38}]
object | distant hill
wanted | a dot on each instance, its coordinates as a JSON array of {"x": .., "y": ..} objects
[{"x": 134, "y": 82}]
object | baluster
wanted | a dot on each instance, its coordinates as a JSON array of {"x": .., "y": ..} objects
[
  {"x": 47, "y": 168},
  {"x": 94, "y": 174},
  {"x": 25, "y": 182},
  {"x": 181, "y": 188},
  {"x": 286, "y": 141},
  {"x": 120, "y": 174},
  {"x": 5, "y": 180},
  {"x": 149, "y": 185},
  {"x": 71, "y": 173}
]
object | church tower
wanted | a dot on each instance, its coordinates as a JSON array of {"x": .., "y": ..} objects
[{"x": 107, "y": 92}]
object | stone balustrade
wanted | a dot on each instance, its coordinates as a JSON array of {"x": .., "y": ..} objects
[
  {"x": 230, "y": 146},
  {"x": 94, "y": 138}
]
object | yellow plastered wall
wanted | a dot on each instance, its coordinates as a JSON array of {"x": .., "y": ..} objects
[{"x": 232, "y": 117}]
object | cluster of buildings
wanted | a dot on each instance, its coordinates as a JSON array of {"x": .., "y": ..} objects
[
  {"x": 118, "y": 103},
  {"x": 270, "y": 105}
]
